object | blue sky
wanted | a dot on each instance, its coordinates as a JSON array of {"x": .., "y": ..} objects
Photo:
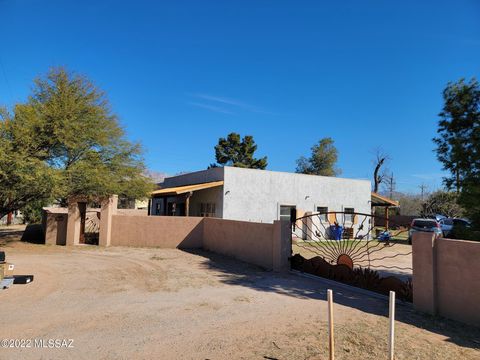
[{"x": 181, "y": 74}]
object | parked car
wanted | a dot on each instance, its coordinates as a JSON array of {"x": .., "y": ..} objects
[
  {"x": 437, "y": 217},
  {"x": 427, "y": 225},
  {"x": 448, "y": 224}
]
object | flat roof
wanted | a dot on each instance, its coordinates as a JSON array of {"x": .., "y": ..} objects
[{"x": 187, "y": 188}]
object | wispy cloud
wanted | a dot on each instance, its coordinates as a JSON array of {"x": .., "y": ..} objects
[
  {"x": 232, "y": 103},
  {"x": 213, "y": 108}
]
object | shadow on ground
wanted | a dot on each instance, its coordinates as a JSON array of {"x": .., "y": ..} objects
[
  {"x": 32, "y": 233},
  {"x": 234, "y": 272},
  {"x": 10, "y": 233}
]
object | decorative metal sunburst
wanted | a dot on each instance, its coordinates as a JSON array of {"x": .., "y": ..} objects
[
  {"x": 358, "y": 249},
  {"x": 351, "y": 239}
]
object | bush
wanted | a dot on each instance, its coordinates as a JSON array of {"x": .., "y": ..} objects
[
  {"x": 464, "y": 233},
  {"x": 32, "y": 212}
]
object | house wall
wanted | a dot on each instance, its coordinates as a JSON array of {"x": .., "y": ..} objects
[
  {"x": 212, "y": 195},
  {"x": 157, "y": 231},
  {"x": 254, "y": 195},
  {"x": 445, "y": 277}
]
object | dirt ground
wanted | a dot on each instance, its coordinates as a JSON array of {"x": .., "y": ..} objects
[{"x": 128, "y": 303}]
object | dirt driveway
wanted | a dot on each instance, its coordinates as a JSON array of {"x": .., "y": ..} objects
[{"x": 125, "y": 303}]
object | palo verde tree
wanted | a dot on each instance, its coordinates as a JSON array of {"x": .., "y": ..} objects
[
  {"x": 238, "y": 152},
  {"x": 458, "y": 143},
  {"x": 322, "y": 161},
  {"x": 65, "y": 141}
]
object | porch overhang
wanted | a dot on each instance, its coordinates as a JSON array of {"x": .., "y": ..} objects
[
  {"x": 379, "y": 200},
  {"x": 185, "y": 189}
]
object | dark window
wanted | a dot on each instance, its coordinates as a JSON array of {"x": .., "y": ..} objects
[
  {"x": 288, "y": 213},
  {"x": 322, "y": 210},
  {"x": 349, "y": 216},
  {"x": 207, "y": 209},
  {"x": 424, "y": 224}
]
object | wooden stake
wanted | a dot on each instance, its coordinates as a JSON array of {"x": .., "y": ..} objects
[
  {"x": 330, "y": 325},
  {"x": 391, "y": 337}
]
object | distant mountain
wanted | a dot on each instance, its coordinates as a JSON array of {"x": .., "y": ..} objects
[{"x": 156, "y": 176}]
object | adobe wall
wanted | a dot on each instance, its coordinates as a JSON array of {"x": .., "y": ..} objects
[
  {"x": 132, "y": 212},
  {"x": 446, "y": 277},
  {"x": 157, "y": 231},
  {"x": 265, "y": 245},
  {"x": 246, "y": 241},
  {"x": 458, "y": 279}
]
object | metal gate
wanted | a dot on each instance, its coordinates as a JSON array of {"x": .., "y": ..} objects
[
  {"x": 358, "y": 249},
  {"x": 92, "y": 227}
]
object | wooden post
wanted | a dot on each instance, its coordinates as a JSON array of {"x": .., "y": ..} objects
[
  {"x": 331, "y": 341},
  {"x": 187, "y": 203},
  {"x": 391, "y": 337},
  {"x": 386, "y": 218}
]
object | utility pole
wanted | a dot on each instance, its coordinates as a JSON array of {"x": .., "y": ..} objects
[
  {"x": 391, "y": 185},
  {"x": 423, "y": 189}
]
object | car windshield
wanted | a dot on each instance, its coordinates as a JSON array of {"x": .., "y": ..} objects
[{"x": 424, "y": 224}]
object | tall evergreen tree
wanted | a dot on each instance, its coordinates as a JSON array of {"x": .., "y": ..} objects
[
  {"x": 237, "y": 152},
  {"x": 322, "y": 161},
  {"x": 458, "y": 143}
]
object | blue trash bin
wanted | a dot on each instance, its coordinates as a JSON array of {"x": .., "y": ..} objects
[
  {"x": 336, "y": 232},
  {"x": 385, "y": 236}
]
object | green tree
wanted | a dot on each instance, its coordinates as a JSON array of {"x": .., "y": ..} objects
[
  {"x": 444, "y": 203},
  {"x": 23, "y": 177},
  {"x": 458, "y": 140},
  {"x": 234, "y": 151},
  {"x": 65, "y": 141},
  {"x": 458, "y": 143},
  {"x": 322, "y": 161}
]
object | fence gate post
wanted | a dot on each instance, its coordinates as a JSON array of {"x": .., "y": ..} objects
[
  {"x": 331, "y": 340},
  {"x": 109, "y": 208},
  {"x": 391, "y": 337}
]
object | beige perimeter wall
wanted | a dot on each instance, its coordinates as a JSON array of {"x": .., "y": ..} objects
[
  {"x": 458, "y": 279},
  {"x": 265, "y": 245},
  {"x": 157, "y": 231},
  {"x": 446, "y": 277},
  {"x": 247, "y": 241}
]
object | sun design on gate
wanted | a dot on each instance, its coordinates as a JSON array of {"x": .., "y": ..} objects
[
  {"x": 353, "y": 247},
  {"x": 351, "y": 239}
]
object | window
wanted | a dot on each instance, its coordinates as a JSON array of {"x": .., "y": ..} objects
[
  {"x": 288, "y": 213},
  {"x": 349, "y": 214},
  {"x": 207, "y": 209},
  {"x": 322, "y": 210}
]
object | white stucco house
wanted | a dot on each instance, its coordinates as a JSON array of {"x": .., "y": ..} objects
[{"x": 257, "y": 195}]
